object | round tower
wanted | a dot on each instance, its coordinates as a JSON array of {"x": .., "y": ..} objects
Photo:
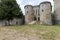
[
  {"x": 45, "y": 13},
  {"x": 28, "y": 14}
]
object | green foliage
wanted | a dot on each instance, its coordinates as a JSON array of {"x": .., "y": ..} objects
[{"x": 9, "y": 9}]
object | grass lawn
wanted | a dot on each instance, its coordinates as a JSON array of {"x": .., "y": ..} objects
[{"x": 38, "y": 32}]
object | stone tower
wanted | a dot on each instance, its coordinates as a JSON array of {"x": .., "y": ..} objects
[
  {"x": 57, "y": 11},
  {"x": 39, "y": 13},
  {"x": 45, "y": 13},
  {"x": 28, "y": 14},
  {"x": 31, "y": 14}
]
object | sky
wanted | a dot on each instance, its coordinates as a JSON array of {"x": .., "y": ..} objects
[{"x": 22, "y": 3}]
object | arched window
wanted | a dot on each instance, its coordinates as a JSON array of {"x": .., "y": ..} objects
[
  {"x": 36, "y": 11},
  {"x": 27, "y": 11},
  {"x": 27, "y": 7}
]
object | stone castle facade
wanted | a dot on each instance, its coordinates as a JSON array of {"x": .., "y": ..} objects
[
  {"x": 40, "y": 13},
  {"x": 43, "y": 13}
]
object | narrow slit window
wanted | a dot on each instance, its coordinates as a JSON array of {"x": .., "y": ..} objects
[
  {"x": 42, "y": 10},
  {"x": 36, "y": 11},
  {"x": 27, "y": 11}
]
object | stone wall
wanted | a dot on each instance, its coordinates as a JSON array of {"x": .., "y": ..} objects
[
  {"x": 36, "y": 12},
  {"x": 57, "y": 11},
  {"x": 11, "y": 22}
]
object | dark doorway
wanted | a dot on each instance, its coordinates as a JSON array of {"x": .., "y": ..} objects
[
  {"x": 38, "y": 18},
  {"x": 34, "y": 18}
]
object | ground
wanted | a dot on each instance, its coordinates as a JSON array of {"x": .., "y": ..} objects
[{"x": 30, "y": 32}]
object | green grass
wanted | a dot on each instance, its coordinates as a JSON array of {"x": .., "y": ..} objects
[
  {"x": 36, "y": 27},
  {"x": 41, "y": 31}
]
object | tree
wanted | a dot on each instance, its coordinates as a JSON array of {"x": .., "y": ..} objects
[{"x": 10, "y": 10}]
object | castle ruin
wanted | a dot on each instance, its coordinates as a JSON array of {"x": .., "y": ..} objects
[{"x": 40, "y": 13}]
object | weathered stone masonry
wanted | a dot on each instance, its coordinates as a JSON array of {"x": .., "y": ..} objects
[{"x": 40, "y": 13}]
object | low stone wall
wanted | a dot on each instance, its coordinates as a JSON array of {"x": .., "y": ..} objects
[
  {"x": 11, "y": 22},
  {"x": 57, "y": 22}
]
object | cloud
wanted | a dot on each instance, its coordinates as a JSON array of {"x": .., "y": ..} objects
[
  {"x": 22, "y": 3},
  {"x": 19, "y": 1}
]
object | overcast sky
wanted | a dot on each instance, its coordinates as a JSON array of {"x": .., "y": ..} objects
[{"x": 22, "y": 3}]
